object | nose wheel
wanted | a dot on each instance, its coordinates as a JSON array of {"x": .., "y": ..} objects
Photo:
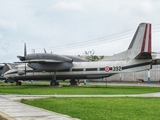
[{"x": 54, "y": 82}]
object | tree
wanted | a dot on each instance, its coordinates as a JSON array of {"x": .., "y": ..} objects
[{"x": 90, "y": 56}]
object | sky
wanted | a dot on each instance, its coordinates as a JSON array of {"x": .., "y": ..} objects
[{"x": 71, "y": 27}]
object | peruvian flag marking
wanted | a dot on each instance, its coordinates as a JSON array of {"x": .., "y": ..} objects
[{"x": 106, "y": 68}]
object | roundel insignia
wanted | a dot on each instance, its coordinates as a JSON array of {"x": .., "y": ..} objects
[{"x": 106, "y": 68}]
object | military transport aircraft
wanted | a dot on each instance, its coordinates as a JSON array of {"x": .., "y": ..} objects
[
  {"x": 52, "y": 66},
  {"x": 4, "y": 67}
]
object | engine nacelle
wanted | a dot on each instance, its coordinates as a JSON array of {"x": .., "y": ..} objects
[
  {"x": 46, "y": 56},
  {"x": 48, "y": 67},
  {"x": 21, "y": 72}
]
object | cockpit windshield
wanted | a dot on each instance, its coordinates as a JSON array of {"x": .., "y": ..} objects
[{"x": 15, "y": 67}]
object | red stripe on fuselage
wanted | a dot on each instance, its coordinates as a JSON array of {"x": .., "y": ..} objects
[
  {"x": 149, "y": 42},
  {"x": 144, "y": 39}
]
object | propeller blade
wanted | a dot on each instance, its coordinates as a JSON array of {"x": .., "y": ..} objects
[
  {"x": 25, "y": 69},
  {"x": 25, "y": 50}
]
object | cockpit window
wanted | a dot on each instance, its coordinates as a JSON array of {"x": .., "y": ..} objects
[
  {"x": 15, "y": 67},
  {"x": 1, "y": 68}
]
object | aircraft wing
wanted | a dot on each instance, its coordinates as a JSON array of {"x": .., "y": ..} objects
[{"x": 40, "y": 61}]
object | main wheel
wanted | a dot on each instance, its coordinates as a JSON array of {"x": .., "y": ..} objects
[
  {"x": 18, "y": 83},
  {"x": 54, "y": 83},
  {"x": 73, "y": 82},
  {"x": 5, "y": 81}
]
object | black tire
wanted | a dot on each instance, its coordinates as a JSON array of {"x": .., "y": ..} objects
[
  {"x": 54, "y": 83},
  {"x": 18, "y": 83},
  {"x": 5, "y": 81},
  {"x": 73, "y": 82}
]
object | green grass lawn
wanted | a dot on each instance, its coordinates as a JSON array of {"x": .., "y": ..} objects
[
  {"x": 103, "y": 108},
  {"x": 43, "y": 88},
  {"x": 91, "y": 108}
]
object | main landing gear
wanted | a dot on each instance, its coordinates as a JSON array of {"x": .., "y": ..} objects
[
  {"x": 54, "y": 82},
  {"x": 74, "y": 82},
  {"x": 18, "y": 83}
]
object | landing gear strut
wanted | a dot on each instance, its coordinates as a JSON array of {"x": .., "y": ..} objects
[
  {"x": 18, "y": 83},
  {"x": 54, "y": 82}
]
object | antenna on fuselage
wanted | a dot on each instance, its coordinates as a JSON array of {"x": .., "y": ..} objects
[{"x": 45, "y": 50}]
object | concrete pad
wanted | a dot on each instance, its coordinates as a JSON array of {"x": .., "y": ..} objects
[{"x": 10, "y": 110}]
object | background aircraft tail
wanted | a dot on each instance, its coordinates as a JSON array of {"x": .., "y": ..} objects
[{"x": 140, "y": 46}]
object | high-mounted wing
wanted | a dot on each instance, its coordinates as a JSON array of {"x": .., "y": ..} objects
[{"x": 40, "y": 61}]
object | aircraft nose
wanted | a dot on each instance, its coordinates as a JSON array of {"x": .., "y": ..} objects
[{"x": 6, "y": 74}]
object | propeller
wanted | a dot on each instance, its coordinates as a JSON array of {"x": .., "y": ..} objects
[
  {"x": 25, "y": 50},
  {"x": 25, "y": 53},
  {"x": 25, "y": 69},
  {"x": 22, "y": 58}
]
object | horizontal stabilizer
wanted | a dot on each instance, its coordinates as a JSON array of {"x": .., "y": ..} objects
[{"x": 144, "y": 55}]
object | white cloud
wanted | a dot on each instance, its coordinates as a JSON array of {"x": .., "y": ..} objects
[
  {"x": 1, "y": 36},
  {"x": 8, "y": 25},
  {"x": 147, "y": 7},
  {"x": 51, "y": 23},
  {"x": 68, "y": 6}
]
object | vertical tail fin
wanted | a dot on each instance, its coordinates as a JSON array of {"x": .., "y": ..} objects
[{"x": 140, "y": 46}]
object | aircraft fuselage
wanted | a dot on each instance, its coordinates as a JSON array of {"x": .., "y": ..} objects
[{"x": 82, "y": 70}]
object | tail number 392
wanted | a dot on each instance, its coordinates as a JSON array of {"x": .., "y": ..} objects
[{"x": 117, "y": 68}]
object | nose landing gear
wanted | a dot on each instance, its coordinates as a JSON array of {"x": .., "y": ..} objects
[{"x": 54, "y": 82}]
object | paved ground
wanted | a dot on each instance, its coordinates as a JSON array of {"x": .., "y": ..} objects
[
  {"x": 11, "y": 109},
  {"x": 126, "y": 84}
]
